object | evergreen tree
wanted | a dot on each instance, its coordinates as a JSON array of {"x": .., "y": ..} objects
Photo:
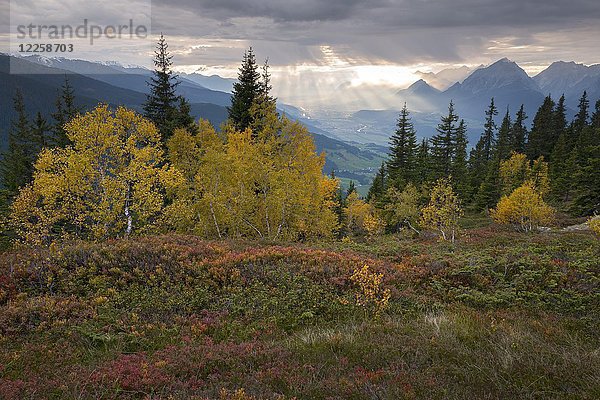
[
  {"x": 443, "y": 145},
  {"x": 460, "y": 171},
  {"x": 351, "y": 189},
  {"x": 481, "y": 155},
  {"x": 422, "y": 162},
  {"x": 16, "y": 166},
  {"x": 542, "y": 137},
  {"x": 596, "y": 116},
  {"x": 586, "y": 176},
  {"x": 489, "y": 132},
  {"x": 560, "y": 121},
  {"x": 519, "y": 131},
  {"x": 41, "y": 132},
  {"x": 338, "y": 208},
  {"x": 378, "y": 188},
  {"x": 263, "y": 111},
  {"x": 503, "y": 147},
  {"x": 561, "y": 169},
  {"x": 163, "y": 107},
  {"x": 583, "y": 115},
  {"x": 245, "y": 92},
  {"x": 66, "y": 110},
  {"x": 403, "y": 147}
]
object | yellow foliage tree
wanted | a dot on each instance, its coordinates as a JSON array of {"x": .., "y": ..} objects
[
  {"x": 524, "y": 209},
  {"x": 111, "y": 182},
  {"x": 518, "y": 170},
  {"x": 361, "y": 217},
  {"x": 443, "y": 211},
  {"x": 267, "y": 185},
  {"x": 402, "y": 208}
]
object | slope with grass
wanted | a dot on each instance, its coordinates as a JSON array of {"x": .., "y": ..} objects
[{"x": 500, "y": 315}]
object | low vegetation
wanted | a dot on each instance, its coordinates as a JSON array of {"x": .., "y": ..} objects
[{"x": 499, "y": 314}]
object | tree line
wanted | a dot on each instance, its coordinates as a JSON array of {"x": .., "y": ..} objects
[
  {"x": 557, "y": 158},
  {"x": 116, "y": 173}
]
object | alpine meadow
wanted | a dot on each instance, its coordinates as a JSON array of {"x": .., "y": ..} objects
[{"x": 374, "y": 203}]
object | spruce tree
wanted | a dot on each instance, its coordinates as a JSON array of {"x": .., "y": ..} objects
[
  {"x": 582, "y": 116},
  {"x": 481, "y": 154},
  {"x": 16, "y": 166},
  {"x": 561, "y": 169},
  {"x": 489, "y": 132},
  {"x": 339, "y": 203},
  {"x": 263, "y": 111},
  {"x": 422, "y": 162},
  {"x": 66, "y": 110},
  {"x": 519, "y": 131},
  {"x": 163, "y": 106},
  {"x": 460, "y": 163},
  {"x": 586, "y": 176},
  {"x": 351, "y": 189},
  {"x": 403, "y": 147},
  {"x": 596, "y": 116},
  {"x": 560, "y": 121},
  {"x": 378, "y": 188},
  {"x": 503, "y": 147},
  {"x": 442, "y": 145},
  {"x": 489, "y": 189},
  {"x": 41, "y": 132},
  {"x": 542, "y": 133},
  {"x": 245, "y": 92}
]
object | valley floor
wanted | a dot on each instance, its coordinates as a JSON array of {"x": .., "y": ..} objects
[{"x": 499, "y": 315}]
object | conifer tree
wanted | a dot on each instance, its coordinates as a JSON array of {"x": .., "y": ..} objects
[
  {"x": 582, "y": 116},
  {"x": 422, "y": 162},
  {"x": 489, "y": 132},
  {"x": 377, "y": 190},
  {"x": 16, "y": 167},
  {"x": 41, "y": 132},
  {"x": 481, "y": 157},
  {"x": 443, "y": 145},
  {"x": 503, "y": 147},
  {"x": 542, "y": 133},
  {"x": 586, "y": 175},
  {"x": 596, "y": 116},
  {"x": 561, "y": 169},
  {"x": 403, "y": 146},
  {"x": 163, "y": 107},
  {"x": 338, "y": 208},
  {"x": 66, "y": 110},
  {"x": 351, "y": 189},
  {"x": 263, "y": 111},
  {"x": 560, "y": 121},
  {"x": 460, "y": 163},
  {"x": 519, "y": 131},
  {"x": 245, "y": 92}
]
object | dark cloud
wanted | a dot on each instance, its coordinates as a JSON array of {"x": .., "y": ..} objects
[
  {"x": 281, "y": 11},
  {"x": 394, "y": 13}
]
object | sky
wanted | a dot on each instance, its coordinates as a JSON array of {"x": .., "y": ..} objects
[{"x": 321, "y": 51}]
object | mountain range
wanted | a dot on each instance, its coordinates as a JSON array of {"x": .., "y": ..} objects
[{"x": 504, "y": 80}]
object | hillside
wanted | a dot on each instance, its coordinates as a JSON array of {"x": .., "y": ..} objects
[
  {"x": 501, "y": 315},
  {"x": 94, "y": 83}
]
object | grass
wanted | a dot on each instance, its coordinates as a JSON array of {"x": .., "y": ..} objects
[{"x": 498, "y": 315}]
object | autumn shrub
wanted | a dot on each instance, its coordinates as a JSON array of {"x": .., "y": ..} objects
[
  {"x": 371, "y": 293},
  {"x": 594, "y": 223},
  {"x": 443, "y": 211},
  {"x": 524, "y": 209}
]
